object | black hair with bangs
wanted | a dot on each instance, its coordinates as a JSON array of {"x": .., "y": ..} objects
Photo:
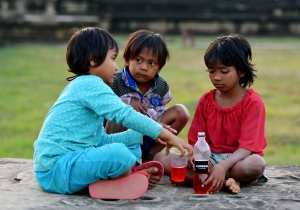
[
  {"x": 86, "y": 44},
  {"x": 231, "y": 50},
  {"x": 151, "y": 41}
]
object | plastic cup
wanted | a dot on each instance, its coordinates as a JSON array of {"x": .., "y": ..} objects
[{"x": 178, "y": 165}]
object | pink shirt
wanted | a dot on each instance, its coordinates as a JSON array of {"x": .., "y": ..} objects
[{"x": 227, "y": 129}]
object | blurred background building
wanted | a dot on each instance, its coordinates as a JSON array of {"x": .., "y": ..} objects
[{"x": 51, "y": 20}]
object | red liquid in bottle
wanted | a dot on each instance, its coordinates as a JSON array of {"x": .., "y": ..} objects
[
  {"x": 199, "y": 179},
  {"x": 178, "y": 174}
]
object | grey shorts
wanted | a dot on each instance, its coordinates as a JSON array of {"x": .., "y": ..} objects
[{"x": 216, "y": 158}]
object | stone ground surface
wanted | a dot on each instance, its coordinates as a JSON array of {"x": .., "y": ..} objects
[{"x": 19, "y": 190}]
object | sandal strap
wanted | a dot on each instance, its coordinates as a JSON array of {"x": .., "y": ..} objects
[{"x": 144, "y": 173}]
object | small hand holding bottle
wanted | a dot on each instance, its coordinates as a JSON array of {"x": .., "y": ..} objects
[{"x": 216, "y": 178}]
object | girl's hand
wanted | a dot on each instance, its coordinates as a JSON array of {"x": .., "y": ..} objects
[
  {"x": 161, "y": 141},
  {"x": 191, "y": 164},
  {"x": 172, "y": 140},
  {"x": 169, "y": 128},
  {"x": 138, "y": 106},
  {"x": 217, "y": 178}
]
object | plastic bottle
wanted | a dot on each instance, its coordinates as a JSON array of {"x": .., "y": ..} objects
[{"x": 201, "y": 157}]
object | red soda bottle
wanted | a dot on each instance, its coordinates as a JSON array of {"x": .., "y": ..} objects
[{"x": 201, "y": 159}]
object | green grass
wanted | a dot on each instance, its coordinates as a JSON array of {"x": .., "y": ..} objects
[{"x": 32, "y": 77}]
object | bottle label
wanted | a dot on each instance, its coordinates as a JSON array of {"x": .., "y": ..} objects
[{"x": 201, "y": 166}]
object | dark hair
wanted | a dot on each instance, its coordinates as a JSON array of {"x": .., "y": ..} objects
[
  {"x": 144, "y": 39},
  {"x": 231, "y": 50},
  {"x": 86, "y": 44}
]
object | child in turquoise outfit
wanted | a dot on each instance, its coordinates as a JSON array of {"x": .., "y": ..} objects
[{"x": 72, "y": 150}]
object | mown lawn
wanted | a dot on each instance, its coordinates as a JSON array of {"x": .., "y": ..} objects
[{"x": 33, "y": 75}]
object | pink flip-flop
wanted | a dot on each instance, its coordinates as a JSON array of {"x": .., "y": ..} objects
[
  {"x": 151, "y": 164},
  {"x": 130, "y": 187}
]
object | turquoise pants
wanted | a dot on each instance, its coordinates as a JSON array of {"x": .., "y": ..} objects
[{"x": 76, "y": 170}]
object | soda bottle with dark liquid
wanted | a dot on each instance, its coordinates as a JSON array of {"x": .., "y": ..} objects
[{"x": 201, "y": 159}]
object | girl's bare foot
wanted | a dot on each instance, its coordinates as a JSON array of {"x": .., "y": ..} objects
[
  {"x": 233, "y": 186},
  {"x": 153, "y": 180}
]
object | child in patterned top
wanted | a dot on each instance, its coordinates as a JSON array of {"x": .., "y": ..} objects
[
  {"x": 140, "y": 86},
  {"x": 73, "y": 151}
]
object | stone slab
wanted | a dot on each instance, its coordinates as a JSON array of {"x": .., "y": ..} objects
[{"x": 19, "y": 190}]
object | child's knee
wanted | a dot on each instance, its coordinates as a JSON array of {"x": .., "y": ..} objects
[
  {"x": 110, "y": 152},
  {"x": 257, "y": 164},
  {"x": 118, "y": 151},
  {"x": 182, "y": 112},
  {"x": 119, "y": 159},
  {"x": 136, "y": 151}
]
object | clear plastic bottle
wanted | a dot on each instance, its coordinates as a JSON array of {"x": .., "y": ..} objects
[{"x": 201, "y": 157}]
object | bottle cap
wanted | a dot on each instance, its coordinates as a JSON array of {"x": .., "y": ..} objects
[{"x": 201, "y": 134}]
